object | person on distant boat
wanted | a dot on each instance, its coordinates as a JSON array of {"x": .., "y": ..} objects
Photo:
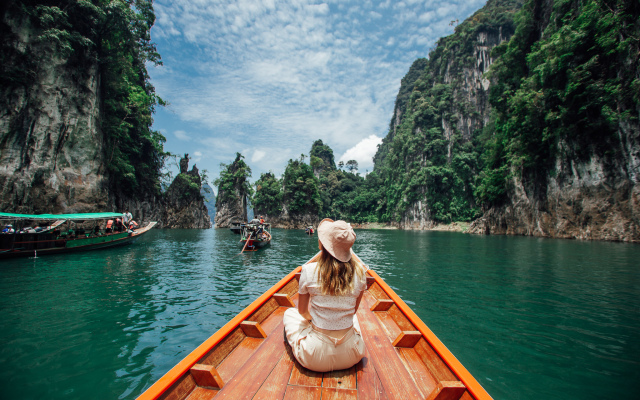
[
  {"x": 8, "y": 229},
  {"x": 126, "y": 217},
  {"x": 109, "y": 227},
  {"x": 255, "y": 221},
  {"x": 133, "y": 225},
  {"x": 323, "y": 331},
  {"x": 261, "y": 219}
]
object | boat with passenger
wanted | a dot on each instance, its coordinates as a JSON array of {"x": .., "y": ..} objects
[
  {"x": 255, "y": 236},
  {"x": 42, "y": 234},
  {"x": 248, "y": 358}
]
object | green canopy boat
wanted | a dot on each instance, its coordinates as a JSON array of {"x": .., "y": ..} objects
[{"x": 42, "y": 234}]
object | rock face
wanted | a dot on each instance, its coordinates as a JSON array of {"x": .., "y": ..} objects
[
  {"x": 231, "y": 202},
  {"x": 184, "y": 205},
  {"x": 51, "y": 147},
  {"x": 53, "y": 152}
]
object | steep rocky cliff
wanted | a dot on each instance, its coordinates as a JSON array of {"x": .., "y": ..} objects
[
  {"x": 183, "y": 203},
  {"x": 431, "y": 155},
  {"x": 233, "y": 193},
  {"x": 577, "y": 173},
  {"x": 75, "y": 110}
]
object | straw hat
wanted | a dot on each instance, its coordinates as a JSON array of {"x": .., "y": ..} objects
[{"x": 337, "y": 237}]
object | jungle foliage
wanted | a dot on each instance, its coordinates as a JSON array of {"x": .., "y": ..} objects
[
  {"x": 114, "y": 36},
  {"x": 233, "y": 184}
]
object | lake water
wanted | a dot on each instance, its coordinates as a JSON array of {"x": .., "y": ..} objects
[{"x": 529, "y": 318}]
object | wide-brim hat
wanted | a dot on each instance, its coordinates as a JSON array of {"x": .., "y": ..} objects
[{"x": 337, "y": 237}]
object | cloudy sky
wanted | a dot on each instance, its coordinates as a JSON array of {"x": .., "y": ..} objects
[{"x": 267, "y": 78}]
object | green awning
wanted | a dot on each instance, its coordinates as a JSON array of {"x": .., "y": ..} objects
[{"x": 84, "y": 216}]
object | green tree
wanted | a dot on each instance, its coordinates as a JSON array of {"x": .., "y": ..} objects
[
  {"x": 300, "y": 189},
  {"x": 268, "y": 195}
]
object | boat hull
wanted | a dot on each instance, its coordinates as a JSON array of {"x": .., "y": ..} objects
[
  {"x": 247, "y": 357},
  {"x": 40, "y": 244}
]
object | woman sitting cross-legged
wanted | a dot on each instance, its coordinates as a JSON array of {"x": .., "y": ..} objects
[{"x": 323, "y": 331}]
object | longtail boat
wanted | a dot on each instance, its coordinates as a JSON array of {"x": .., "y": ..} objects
[
  {"x": 255, "y": 236},
  {"x": 56, "y": 238},
  {"x": 249, "y": 359}
]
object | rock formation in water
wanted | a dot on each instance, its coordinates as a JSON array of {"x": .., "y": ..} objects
[
  {"x": 233, "y": 193},
  {"x": 183, "y": 201},
  {"x": 76, "y": 108}
]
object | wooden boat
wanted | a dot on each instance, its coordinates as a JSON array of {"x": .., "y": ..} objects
[
  {"x": 252, "y": 238},
  {"x": 248, "y": 358},
  {"x": 54, "y": 239}
]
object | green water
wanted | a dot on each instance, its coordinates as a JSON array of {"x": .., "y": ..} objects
[{"x": 529, "y": 318}]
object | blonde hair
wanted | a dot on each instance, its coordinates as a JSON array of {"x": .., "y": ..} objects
[{"x": 335, "y": 277}]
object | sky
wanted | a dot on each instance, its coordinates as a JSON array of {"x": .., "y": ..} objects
[{"x": 267, "y": 78}]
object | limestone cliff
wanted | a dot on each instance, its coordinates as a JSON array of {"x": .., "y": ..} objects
[
  {"x": 233, "y": 193},
  {"x": 71, "y": 140},
  {"x": 183, "y": 203}
]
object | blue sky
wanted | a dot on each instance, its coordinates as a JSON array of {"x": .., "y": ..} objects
[{"x": 267, "y": 78}]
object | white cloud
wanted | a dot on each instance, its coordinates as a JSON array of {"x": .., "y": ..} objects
[
  {"x": 363, "y": 152},
  {"x": 258, "y": 155},
  {"x": 182, "y": 135}
]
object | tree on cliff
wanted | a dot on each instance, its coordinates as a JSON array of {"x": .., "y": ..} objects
[
  {"x": 300, "y": 190},
  {"x": 267, "y": 199},
  {"x": 321, "y": 158},
  {"x": 233, "y": 192}
]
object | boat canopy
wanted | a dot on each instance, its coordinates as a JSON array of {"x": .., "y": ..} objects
[{"x": 83, "y": 216}]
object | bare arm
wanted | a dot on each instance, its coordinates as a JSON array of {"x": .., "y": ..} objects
[{"x": 303, "y": 305}]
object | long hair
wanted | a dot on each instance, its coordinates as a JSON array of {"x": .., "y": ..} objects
[{"x": 336, "y": 277}]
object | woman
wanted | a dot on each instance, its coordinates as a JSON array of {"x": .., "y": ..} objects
[{"x": 323, "y": 331}]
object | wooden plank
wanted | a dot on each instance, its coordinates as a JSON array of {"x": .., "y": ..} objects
[
  {"x": 448, "y": 390},
  {"x": 396, "y": 380},
  {"x": 425, "y": 382},
  {"x": 232, "y": 364},
  {"x": 303, "y": 393},
  {"x": 180, "y": 389},
  {"x": 275, "y": 385},
  {"x": 368, "y": 383},
  {"x": 246, "y": 382},
  {"x": 200, "y": 393},
  {"x": 434, "y": 363},
  {"x": 297, "y": 276},
  {"x": 407, "y": 339},
  {"x": 206, "y": 375},
  {"x": 339, "y": 394},
  {"x": 283, "y": 300},
  {"x": 253, "y": 329},
  {"x": 304, "y": 377},
  {"x": 223, "y": 348},
  {"x": 376, "y": 291},
  {"x": 269, "y": 324},
  {"x": 343, "y": 379},
  {"x": 382, "y": 305},
  {"x": 264, "y": 311},
  {"x": 370, "y": 281},
  {"x": 290, "y": 288},
  {"x": 466, "y": 396},
  {"x": 400, "y": 319},
  {"x": 389, "y": 325}
]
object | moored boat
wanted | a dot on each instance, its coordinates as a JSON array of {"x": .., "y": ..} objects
[
  {"x": 58, "y": 238},
  {"x": 255, "y": 236},
  {"x": 249, "y": 359},
  {"x": 309, "y": 230},
  {"x": 236, "y": 227}
]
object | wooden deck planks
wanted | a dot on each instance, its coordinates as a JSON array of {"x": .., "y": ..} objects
[
  {"x": 303, "y": 393},
  {"x": 202, "y": 394},
  {"x": 396, "y": 380},
  {"x": 275, "y": 385},
  {"x": 305, "y": 377},
  {"x": 425, "y": 382},
  {"x": 228, "y": 368},
  {"x": 339, "y": 394},
  {"x": 247, "y": 381},
  {"x": 368, "y": 382},
  {"x": 341, "y": 379}
]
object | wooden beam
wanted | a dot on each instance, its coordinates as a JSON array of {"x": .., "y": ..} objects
[
  {"x": 407, "y": 339},
  {"x": 382, "y": 305},
  {"x": 448, "y": 390},
  {"x": 283, "y": 300},
  {"x": 370, "y": 281},
  {"x": 252, "y": 329},
  {"x": 207, "y": 376},
  {"x": 297, "y": 276}
]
